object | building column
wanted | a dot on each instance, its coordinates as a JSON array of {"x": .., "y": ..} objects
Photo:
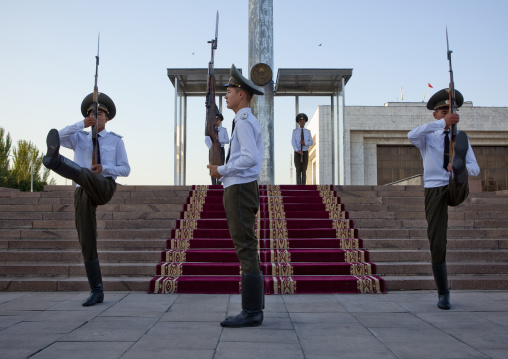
[{"x": 261, "y": 51}]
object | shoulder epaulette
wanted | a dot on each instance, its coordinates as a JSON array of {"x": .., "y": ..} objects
[
  {"x": 84, "y": 132},
  {"x": 116, "y": 134}
]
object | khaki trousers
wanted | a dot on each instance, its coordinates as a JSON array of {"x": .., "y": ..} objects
[
  {"x": 301, "y": 167},
  {"x": 437, "y": 200},
  {"x": 241, "y": 202},
  {"x": 95, "y": 190}
]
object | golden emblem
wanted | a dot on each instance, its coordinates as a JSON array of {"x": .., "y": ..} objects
[{"x": 261, "y": 74}]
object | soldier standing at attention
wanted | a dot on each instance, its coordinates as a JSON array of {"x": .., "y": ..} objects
[
  {"x": 301, "y": 141},
  {"x": 241, "y": 196},
  {"x": 446, "y": 184},
  {"x": 95, "y": 183},
  {"x": 223, "y": 138}
]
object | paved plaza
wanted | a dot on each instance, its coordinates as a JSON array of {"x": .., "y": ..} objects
[{"x": 139, "y": 325}]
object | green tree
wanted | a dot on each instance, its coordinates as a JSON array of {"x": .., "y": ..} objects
[
  {"x": 25, "y": 156},
  {"x": 5, "y": 149}
]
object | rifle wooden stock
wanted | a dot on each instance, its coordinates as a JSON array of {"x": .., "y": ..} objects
[
  {"x": 453, "y": 129},
  {"x": 453, "y": 107},
  {"x": 95, "y": 153},
  {"x": 215, "y": 154}
]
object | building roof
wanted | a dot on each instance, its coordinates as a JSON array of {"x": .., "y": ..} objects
[
  {"x": 192, "y": 82},
  {"x": 311, "y": 82},
  {"x": 290, "y": 82}
]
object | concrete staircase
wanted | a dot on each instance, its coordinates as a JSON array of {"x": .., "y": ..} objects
[
  {"x": 391, "y": 220},
  {"x": 39, "y": 249}
]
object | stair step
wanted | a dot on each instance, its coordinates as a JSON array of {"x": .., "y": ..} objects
[{"x": 39, "y": 249}]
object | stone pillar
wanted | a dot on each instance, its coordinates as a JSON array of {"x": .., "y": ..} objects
[{"x": 261, "y": 51}]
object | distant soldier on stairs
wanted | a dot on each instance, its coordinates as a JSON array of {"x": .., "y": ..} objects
[
  {"x": 301, "y": 141},
  {"x": 95, "y": 182},
  {"x": 446, "y": 182}
]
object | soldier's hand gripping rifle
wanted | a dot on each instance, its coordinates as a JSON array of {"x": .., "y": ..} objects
[
  {"x": 452, "y": 100},
  {"x": 96, "y": 159},
  {"x": 215, "y": 154}
]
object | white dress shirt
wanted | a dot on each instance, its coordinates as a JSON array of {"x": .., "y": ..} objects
[
  {"x": 429, "y": 138},
  {"x": 246, "y": 150},
  {"x": 223, "y": 135},
  {"x": 112, "y": 149},
  {"x": 297, "y": 138}
]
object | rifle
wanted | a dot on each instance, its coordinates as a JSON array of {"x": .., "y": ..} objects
[
  {"x": 453, "y": 103},
  {"x": 96, "y": 159},
  {"x": 215, "y": 155},
  {"x": 301, "y": 149}
]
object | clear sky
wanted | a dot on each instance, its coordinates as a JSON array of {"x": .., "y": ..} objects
[{"x": 48, "y": 48}]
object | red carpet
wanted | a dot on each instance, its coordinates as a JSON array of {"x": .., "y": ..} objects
[{"x": 307, "y": 244}]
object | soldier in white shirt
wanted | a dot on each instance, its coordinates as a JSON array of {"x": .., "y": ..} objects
[
  {"x": 241, "y": 196},
  {"x": 446, "y": 184},
  {"x": 301, "y": 141},
  {"x": 95, "y": 183}
]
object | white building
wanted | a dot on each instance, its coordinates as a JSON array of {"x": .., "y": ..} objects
[{"x": 377, "y": 150}]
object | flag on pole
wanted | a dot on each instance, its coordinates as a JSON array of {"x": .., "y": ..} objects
[
  {"x": 431, "y": 86},
  {"x": 401, "y": 95}
]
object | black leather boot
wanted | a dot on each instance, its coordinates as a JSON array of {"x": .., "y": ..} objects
[
  {"x": 93, "y": 272},
  {"x": 441, "y": 279},
  {"x": 56, "y": 162},
  {"x": 298, "y": 179},
  {"x": 304, "y": 178},
  {"x": 252, "y": 303},
  {"x": 460, "y": 148}
]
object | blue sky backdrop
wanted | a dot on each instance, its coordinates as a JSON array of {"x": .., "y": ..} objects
[{"x": 48, "y": 49}]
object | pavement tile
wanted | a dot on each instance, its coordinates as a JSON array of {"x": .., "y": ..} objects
[
  {"x": 485, "y": 305},
  {"x": 373, "y": 307},
  {"x": 309, "y": 298},
  {"x": 249, "y": 350},
  {"x": 259, "y": 335},
  {"x": 148, "y": 349},
  {"x": 333, "y": 336},
  {"x": 412, "y": 296},
  {"x": 28, "y": 328},
  {"x": 141, "y": 305},
  {"x": 427, "y": 306},
  {"x": 138, "y": 325},
  {"x": 112, "y": 329},
  {"x": 15, "y": 346},
  {"x": 496, "y": 353},
  {"x": 390, "y": 320},
  {"x": 424, "y": 343},
  {"x": 372, "y": 351},
  {"x": 497, "y": 295},
  {"x": 309, "y": 318},
  {"x": 8, "y": 296},
  {"x": 84, "y": 350},
  {"x": 201, "y": 303},
  {"x": 63, "y": 315},
  {"x": 186, "y": 316},
  {"x": 34, "y": 301},
  {"x": 309, "y": 303},
  {"x": 500, "y": 318},
  {"x": 7, "y": 321},
  {"x": 361, "y": 298},
  {"x": 185, "y": 335},
  {"x": 74, "y": 302}
]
